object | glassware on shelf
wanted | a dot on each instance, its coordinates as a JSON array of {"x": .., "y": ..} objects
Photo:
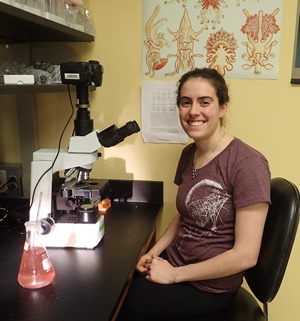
[
  {"x": 36, "y": 269},
  {"x": 17, "y": 3},
  {"x": 54, "y": 10},
  {"x": 88, "y": 22},
  {"x": 33, "y": 6},
  {"x": 71, "y": 13},
  {"x": 75, "y": 14}
]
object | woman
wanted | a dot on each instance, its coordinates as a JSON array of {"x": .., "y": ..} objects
[{"x": 197, "y": 266}]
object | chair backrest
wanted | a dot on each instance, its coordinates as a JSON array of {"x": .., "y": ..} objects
[{"x": 280, "y": 230}]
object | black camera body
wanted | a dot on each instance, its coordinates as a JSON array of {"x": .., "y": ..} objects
[{"x": 82, "y": 73}]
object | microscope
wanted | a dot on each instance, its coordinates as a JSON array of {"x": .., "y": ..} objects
[{"x": 67, "y": 206}]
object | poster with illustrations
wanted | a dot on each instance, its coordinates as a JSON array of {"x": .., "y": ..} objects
[{"x": 239, "y": 38}]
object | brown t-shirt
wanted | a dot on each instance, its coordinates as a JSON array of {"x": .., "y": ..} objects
[{"x": 237, "y": 177}]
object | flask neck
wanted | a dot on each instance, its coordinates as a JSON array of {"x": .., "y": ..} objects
[{"x": 32, "y": 233}]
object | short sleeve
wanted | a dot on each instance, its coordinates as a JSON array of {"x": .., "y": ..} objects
[
  {"x": 252, "y": 181},
  {"x": 184, "y": 160}
]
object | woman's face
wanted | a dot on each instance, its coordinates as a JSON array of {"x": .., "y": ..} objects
[{"x": 199, "y": 109}]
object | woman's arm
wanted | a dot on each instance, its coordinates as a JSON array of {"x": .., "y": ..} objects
[
  {"x": 249, "y": 227},
  {"x": 167, "y": 237},
  {"x": 163, "y": 242}
]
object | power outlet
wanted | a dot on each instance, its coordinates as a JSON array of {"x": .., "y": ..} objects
[
  {"x": 3, "y": 180},
  {"x": 11, "y": 176}
]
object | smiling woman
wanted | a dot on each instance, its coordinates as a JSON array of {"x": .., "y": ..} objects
[
  {"x": 197, "y": 265},
  {"x": 202, "y": 99}
]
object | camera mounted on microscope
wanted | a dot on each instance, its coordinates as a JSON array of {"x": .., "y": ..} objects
[{"x": 82, "y": 73}]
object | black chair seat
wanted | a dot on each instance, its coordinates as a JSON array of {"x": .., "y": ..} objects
[{"x": 245, "y": 307}]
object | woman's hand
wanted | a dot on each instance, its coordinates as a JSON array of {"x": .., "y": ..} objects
[
  {"x": 160, "y": 271},
  {"x": 145, "y": 260},
  {"x": 144, "y": 263}
]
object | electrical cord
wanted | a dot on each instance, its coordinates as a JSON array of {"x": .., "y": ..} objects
[
  {"x": 1, "y": 187},
  {"x": 58, "y": 149},
  {"x": 4, "y": 213},
  {"x": 10, "y": 183}
]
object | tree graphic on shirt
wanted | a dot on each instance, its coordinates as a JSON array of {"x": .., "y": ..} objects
[{"x": 205, "y": 210}]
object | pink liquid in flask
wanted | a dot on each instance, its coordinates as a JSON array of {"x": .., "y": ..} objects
[{"x": 36, "y": 268}]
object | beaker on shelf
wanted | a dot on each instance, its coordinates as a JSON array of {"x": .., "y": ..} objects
[{"x": 36, "y": 269}]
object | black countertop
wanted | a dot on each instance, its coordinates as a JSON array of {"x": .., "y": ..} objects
[{"x": 89, "y": 284}]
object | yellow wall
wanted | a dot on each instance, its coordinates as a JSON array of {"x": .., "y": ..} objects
[{"x": 264, "y": 113}]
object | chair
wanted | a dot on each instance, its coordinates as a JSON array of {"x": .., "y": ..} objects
[{"x": 265, "y": 278}]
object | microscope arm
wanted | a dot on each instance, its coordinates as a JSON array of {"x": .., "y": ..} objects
[
  {"x": 84, "y": 144},
  {"x": 83, "y": 152}
]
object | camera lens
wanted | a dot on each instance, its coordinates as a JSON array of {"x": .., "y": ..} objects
[{"x": 113, "y": 135}]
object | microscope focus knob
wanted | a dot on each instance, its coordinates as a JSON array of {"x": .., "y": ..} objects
[
  {"x": 46, "y": 225},
  {"x": 70, "y": 202}
]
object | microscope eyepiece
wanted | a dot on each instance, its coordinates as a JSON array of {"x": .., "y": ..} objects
[{"x": 113, "y": 135}]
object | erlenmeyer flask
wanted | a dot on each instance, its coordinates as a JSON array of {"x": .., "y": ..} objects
[{"x": 36, "y": 268}]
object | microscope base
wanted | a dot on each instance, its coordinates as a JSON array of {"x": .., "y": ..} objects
[{"x": 78, "y": 235}]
